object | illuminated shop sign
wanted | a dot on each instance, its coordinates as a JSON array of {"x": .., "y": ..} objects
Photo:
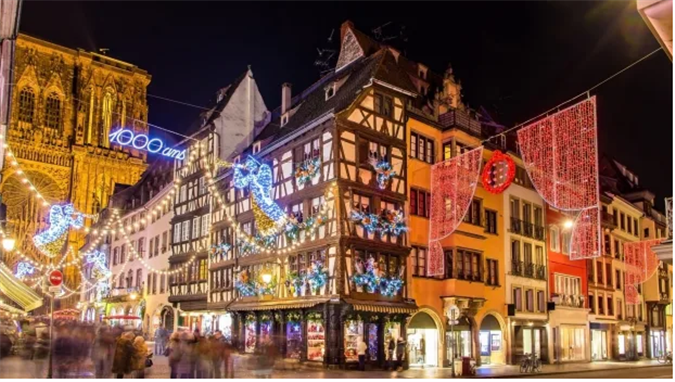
[{"x": 127, "y": 137}]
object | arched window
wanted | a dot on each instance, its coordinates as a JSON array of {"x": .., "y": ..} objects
[
  {"x": 53, "y": 111},
  {"x": 26, "y": 105},
  {"x": 107, "y": 114}
]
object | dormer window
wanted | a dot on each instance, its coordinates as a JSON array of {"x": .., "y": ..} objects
[
  {"x": 422, "y": 70},
  {"x": 256, "y": 147},
  {"x": 284, "y": 119},
  {"x": 330, "y": 91}
]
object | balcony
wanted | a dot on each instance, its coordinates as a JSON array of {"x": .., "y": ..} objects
[
  {"x": 527, "y": 229},
  {"x": 529, "y": 270},
  {"x": 572, "y": 301},
  {"x": 516, "y": 226},
  {"x": 460, "y": 119},
  {"x": 121, "y": 294}
]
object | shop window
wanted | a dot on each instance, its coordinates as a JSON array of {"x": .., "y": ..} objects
[
  {"x": 316, "y": 343},
  {"x": 293, "y": 340},
  {"x": 353, "y": 330}
]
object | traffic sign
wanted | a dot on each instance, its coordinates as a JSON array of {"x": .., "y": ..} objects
[
  {"x": 54, "y": 289},
  {"x": 453, "y": 312},
  {"x": 56, "y": 277}
]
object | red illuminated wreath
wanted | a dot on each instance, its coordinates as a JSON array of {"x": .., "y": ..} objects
[{"x": 498, "y": 173}]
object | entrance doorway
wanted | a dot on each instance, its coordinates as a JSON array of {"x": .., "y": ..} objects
[
  {"x": 422, "y": 341},
  {"x": 657, "y": 342},
  {"x": 598, "y": 345},
  {"x": 168, "y": 318},
  {"x": 490, "y": 336}
]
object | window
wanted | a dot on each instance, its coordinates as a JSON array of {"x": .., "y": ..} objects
[
  {"x": 567, "y": 285},
  {"x": 619, "y": 309},
  {"x": 529, "y": 300},
  {"x": 150, "y": 252},
  {"x": 515, "y": 208},
  {"x": 115, "y": 255},
  {"x": 130, "y": 279},
  {"x": 541, "y": 301},
  {"x": 26, "y": 105},
  {"x": 607, "y": 245},
  {"x": 491, "y": 221},
  {"x": 162, "y": 283},
  {"x": 493, "y": 269},
  {"x": 527, "y": 253},
  {"x": 515, "y": 251},
  {"x": 361, "y": 203},
  {"x": 203, "y": 270},
  {"x": 630, "y": 226},
  {"x": 106, "y": 114},
  {"x": 623, "y": 221},
  {"x": 141, "y": 247},
  {"x": 473, "y": 214},
  {"x": 517, "y": 298},
  {"x": 419, "y": 257},
  {"x": 566, "y": 242},
  {"x": 422, "y": 148},
  {"x": 164, "y": 244},
  {"x": 617, "y": 249},
  {"x": 554, "y": 239},
  {"x": 601, "y": 305},
  {"x": 538, "y": 217},
  {"x": 206, "y": 224},
  {"x": 176, "y": 233},
  {"x": 646, "y": 233},
  {"x": 635, "y": 227},
  {"x": 539, "y": 255},
  {"x": 608, "y": 274},
  {"x": 383, "y": 105},
  {"x": 600, "y": 270},
  {"x": 591, "y": 303},
  {"x": 53, "y": 111},
  {"x": 123, "y": 254},
  {"x": 610, "y": 306},
  {"x": 186, "y": 231},
  {"x": 420, "y": 202},
  {"x": 617, "y": 279}
]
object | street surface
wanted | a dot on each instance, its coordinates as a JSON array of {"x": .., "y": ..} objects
[{"x": 16, "y": 367}]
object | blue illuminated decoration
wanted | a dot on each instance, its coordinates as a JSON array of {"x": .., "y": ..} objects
[
  {"x": 389, "y": 222},
  {"x": 24, "y": 269},
  {"x": 269, "y": 217},
  {"x": 98, "y": 259},
  {"x": 385, "y": 172},
  {"x": 374, "y": 280},
  {"x": 61, "y": 218},
  {"x": 126, "y": 137}
]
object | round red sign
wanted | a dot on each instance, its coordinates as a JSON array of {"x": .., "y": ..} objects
[{"x": 56, "y": 277}]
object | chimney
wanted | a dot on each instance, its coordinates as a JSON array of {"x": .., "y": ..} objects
[{"x": 285, "y": 97}]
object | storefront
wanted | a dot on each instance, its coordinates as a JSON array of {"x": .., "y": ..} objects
[
  {"x": 458, "y": 341},
  {"x": 528, "y": 338},
  {"x": 422, "y": 337},
  {"x": 225, "y": 325},
  {"x": 490, "y": 337},
  {"x": 572, "y": 343},
  {"x": 657, "y": 342},
  {"x": 599, "y": 341}
]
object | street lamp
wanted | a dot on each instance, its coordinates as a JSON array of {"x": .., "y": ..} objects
[
  {"x": 569, "y": 223},
  {"x": 8, "y": 243},
  {"x": 266, "y": 276},
  {"x": 133, "y": 296}
]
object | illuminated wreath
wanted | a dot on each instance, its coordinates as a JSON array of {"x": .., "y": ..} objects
[{"x": 498, "y": 173}]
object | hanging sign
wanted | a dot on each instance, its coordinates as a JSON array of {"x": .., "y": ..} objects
[{"x": 126, "y": 137}]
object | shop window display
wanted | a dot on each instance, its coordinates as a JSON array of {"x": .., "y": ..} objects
[
  {"x": 372, "y": 342},
  {"x": 460, "y": 345},
  {"x": 598, "y": 344},
  {"x": 293, "y": 340},
  {"x": 353, "y": 331},
  {"x": 249, "y": 336},
  {"x": 316, "y": 346},
  {"x": 392, "y": 332},
  {"x": 572, "y": 343},
  {"x": 423, "y": 347},
  {"x": 225, "y": 326},
  {"x": 265, "y": 331}
]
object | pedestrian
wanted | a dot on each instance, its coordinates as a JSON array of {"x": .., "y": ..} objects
[
  {"x": 391, "y": 347},
  {"x": 185, "y": 364},
  {"x": 41, "y": 355},
  {"x": 123, "y": 352},
  {"x": 423, "y": 350},
  {"x": 400, "y": 353},
  {"x": 361, "y": 348},
  {"x": 203, "y": 359},
  {"x": 173, "y": 353},
  {"x": 102, "y": 352},
  {"x": 228, "y": 358},
  {"x": 217, "y": 353},
  {"x": 139, "y": 355}
]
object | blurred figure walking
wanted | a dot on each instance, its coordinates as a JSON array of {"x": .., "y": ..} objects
[
  {"x": 124, "y": 350},
  {"x": 138, "y": 357}
]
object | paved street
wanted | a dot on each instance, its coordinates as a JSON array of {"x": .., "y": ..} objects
[{"x": 15, "y": 367}]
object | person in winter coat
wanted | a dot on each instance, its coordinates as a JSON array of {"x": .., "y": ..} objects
[
  {"x": 138, "y": 357},
  {"x": 124, "y": 350},
  {"x": 173, "y": 352},
  {"x": 102, "y": 352},
  {"x": 400, "y": 352}
]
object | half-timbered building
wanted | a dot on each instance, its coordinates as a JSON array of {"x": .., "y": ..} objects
[{"x": 335, "y": 273}]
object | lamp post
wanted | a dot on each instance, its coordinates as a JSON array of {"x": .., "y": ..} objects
[{"x": 453, "y": 317}]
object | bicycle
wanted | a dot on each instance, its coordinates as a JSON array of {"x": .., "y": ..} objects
[
  {"x": 530, "y": 363},
  {"x": 665, "y": 357}
]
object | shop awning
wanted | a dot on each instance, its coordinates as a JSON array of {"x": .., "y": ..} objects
[
  {"x": 274, "y": 305},
  {"x": 17, "y": 291},
  {"x": 383, "y": 307}
]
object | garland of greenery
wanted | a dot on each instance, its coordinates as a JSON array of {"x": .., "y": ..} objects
[
  {"x": 317, "y": 276},
  {"x": 307, "y": 170},
  {"x": 314, "y": 316},
  {"x": 295, "y": 282},
  {"x": 293, "y": 316}
]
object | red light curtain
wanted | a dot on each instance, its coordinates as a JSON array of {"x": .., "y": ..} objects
[
  {"x": 453, "y": 184},
  {"x": 640, "y": 264},
  {"x": 560, "y": 154}
]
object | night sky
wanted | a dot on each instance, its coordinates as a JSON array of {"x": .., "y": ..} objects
[{"x": 518, "y": 58}]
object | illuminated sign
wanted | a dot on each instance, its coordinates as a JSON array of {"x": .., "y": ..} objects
[{"x": 127, "y": 137}]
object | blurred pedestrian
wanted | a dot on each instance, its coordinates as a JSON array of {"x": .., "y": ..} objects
[
  {"x": 124, "y": 350},
  {"x": 185, "y": 364},
  {"x": 102, "y": 352},
  {"x": 160, "y": 338},
  {"x": 400, "y": 353},
  {"x": 173, "y": 352},
  {"x": 361, "y": 349},
  {"x": 203, "y": 359},
  {"x": 41, "y": 356},
  {"x": 139, "y": 355},
  {"x": 217, "y": 353}
]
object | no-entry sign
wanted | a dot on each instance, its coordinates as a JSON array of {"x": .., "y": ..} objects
[{"x": 56, "y": 277}]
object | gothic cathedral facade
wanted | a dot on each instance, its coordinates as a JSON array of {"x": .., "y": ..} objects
[{"x": 64, "y": 105}]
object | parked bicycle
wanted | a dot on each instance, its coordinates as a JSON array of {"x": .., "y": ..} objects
[
  {"x": 666, "y": 357},
  {"x": 530, "y": 363}
]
